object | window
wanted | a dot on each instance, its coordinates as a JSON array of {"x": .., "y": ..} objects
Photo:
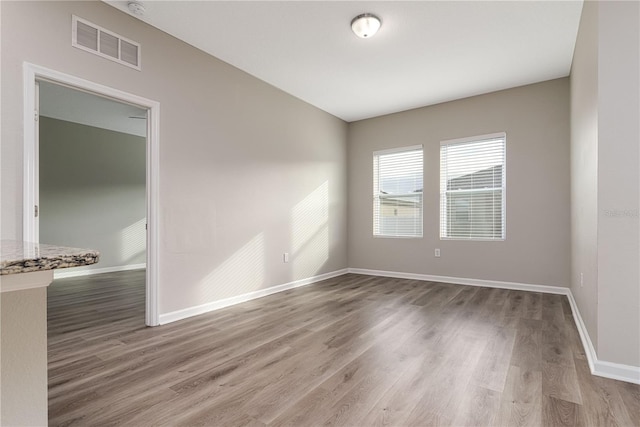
[
  {"x": 397, "y": 192},
  {"x": 472, "y": 188}
]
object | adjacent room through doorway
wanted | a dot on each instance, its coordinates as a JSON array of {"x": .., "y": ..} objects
[{"x": 92, "y": 193}]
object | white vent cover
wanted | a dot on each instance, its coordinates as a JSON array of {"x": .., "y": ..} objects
[{"x": 95, "y": 39}]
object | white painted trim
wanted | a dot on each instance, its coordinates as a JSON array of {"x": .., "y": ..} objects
[
  {"x": 601, "y": 368},
  {"x": 617, "y": 371},
  {"x": 464, "y": 140},
  {"x": 398, "y": 150},
  {"x": 597, "y": 367},
  {"x": 464, "y": 281},
  {"x": 216, "y": 305},
  {"x": 72, "y": 272},
  {"x": 152, "y": 312},
  {"x": 22, "y": 281},
  {"x": 589, "y": 350},
  {"x": 30, "y": 171},
  {"x": 30, "y": 187}
]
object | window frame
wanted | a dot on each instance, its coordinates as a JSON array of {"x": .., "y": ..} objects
[
  {"x": 443, "y": 215},
  {"x": 377, "y": 197}
]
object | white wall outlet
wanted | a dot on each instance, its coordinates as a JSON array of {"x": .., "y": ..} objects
[
  {"x": 437, "y": 253},
  {"x": 285, "y": 257},
  {"x": 581, "y": 280}
]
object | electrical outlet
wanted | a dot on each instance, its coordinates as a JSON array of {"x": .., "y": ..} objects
[
  {"x": 437, "y": 253},
  {"x": 581, "y": 280},
  {"x": 285, "y": 257}
]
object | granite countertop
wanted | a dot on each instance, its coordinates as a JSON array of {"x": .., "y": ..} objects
[{"x": 24, "y": 257}]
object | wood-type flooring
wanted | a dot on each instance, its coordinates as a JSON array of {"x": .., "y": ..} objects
[{"x": 352, "y": 351}]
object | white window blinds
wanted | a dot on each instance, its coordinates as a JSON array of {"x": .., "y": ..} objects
[
  {"x": 397, "y": 192},
  {"x": 472, "y": 188}
]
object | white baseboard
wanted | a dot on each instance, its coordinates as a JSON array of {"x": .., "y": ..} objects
[
  {"x": 464, "y": 281},
  {"x": 589, "y": 350},
  {"x": 63, "y": 273},
  {"x": 600, "y": 368},
  {"x": 217, "y": 305},
  {"x": 617, "y": 371}
]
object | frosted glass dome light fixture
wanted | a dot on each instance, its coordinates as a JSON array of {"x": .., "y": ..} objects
[{"x": 365, "y": 25}]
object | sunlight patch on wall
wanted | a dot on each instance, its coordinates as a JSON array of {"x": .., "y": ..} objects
[
  {"x": 132, "y": 241},
  {"x": 241, "y": 273},
  {"x": 310, "y": 233}
]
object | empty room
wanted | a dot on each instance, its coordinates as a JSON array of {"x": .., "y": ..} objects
[{"x": 354, "y": 213}]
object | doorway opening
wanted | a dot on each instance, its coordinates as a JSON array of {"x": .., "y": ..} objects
[{"x": 95, "y": 133}]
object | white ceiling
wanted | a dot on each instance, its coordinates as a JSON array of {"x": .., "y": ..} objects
[
  {"x": 63, "y": 103},
  {"x": 426, "y": 52}
]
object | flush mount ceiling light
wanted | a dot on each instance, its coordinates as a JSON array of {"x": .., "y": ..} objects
[
  {"x": 365, "y": 25},
  {"x": 136, "y": 8}
]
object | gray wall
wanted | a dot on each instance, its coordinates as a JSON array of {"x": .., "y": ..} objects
[
  {"x": 605, "y": 179},
  {"x": 92, "y": 191},
  {"x": 23, "y": 379},
  {"x": 536, "y": 249},
  {"x": 618, "y": 182},
  {"x": 247, "y": 172},
  {"x": 584, "y": 169}
]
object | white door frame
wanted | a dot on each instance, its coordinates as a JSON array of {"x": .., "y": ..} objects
[{"x": 31, "y": 183}]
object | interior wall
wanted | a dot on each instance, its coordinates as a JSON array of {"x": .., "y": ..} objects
[
  {"x": 93, "y": 191},
  {"x": 247, "y": 172},
  {"x": 619, "y": 182},
  {"x": 605, "y": 178},
  {"x": 584, "y": 169},
  {"x": 536, "y": 250}
]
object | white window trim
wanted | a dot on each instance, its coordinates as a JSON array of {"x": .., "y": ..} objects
[
  {"x": 465, "y": 140},
  {"x": 399, "y": 150},
  {"x": 474, "y": 138}
]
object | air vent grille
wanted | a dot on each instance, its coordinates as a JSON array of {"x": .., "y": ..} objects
[
  {"x": 95, "y": 39},
  {"x": 129, "y": 53},
  {"x": 87, "y": 36}
]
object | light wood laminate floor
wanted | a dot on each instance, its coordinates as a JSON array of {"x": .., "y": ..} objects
[{"x": 354, "y": 350}]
